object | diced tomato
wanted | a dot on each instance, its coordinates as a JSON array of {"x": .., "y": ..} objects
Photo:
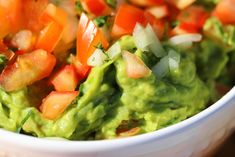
[
  {"x": 88, "y": 37},
  {"x": 82, "y": 70},
  {"x": 65, "y": 79},
  {"x": 96, "y": 7},
  {"x": 158, "y": 25},
  {"x": 56, "y": 103},
  {"x": 225, "y": 11},
  {"x": 195, "y": 16},
  {"x": 181, "y": 4},
  {"x": 145, "y": 3},
  {"x": 126, "y": 19},
  {"x": 53, "y": 13},
  {"x": 159, "y": 11},
  {"x": 32, "y": 11},
  {"x": 5, "y": 51},
  {"x": 135, "y": 67},
  {"x": 10, "y": 17},
  {"x": 49, "y": 37},
  {"x": 129, "y": 133},
  {"x": 27, "y": 69},
  {"x": 184, "y": 28}
]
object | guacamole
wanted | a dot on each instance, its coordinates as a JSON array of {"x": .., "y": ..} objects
[{"x": 177, "y": 81}]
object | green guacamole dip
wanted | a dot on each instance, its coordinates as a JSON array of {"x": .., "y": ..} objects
[
  {"x": 109, "y": 97},
  {"x": 109, "y": 101}
]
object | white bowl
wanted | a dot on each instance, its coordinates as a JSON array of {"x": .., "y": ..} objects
[{"x": 194, "y": 137}]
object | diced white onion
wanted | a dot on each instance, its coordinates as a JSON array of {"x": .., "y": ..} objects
[
  {"x": 155, "y": 46},
  {"x": 140, "y": 38},
  {"x": 168, "y": 63},
  {"x": 174, "y": 60},
  {"x": 146, "y": 39},
  {"x": 97, "y": 58},
  {"x": 185, "y": 38},
  {"x": 161, "y": 69},
  {"x": 114, "y": 51},
  {"x": 186, "y": 45}
]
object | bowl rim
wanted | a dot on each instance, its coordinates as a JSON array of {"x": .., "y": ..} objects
[{"x": 40, "y": 144}]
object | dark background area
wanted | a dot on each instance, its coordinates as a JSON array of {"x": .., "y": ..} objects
[{"x": 228, "y": 148}]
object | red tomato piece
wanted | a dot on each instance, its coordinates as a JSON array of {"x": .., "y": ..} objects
[
  {"x": 135, "y": 67},
  {"x": 96, "y": 7},
  {"x": 65, "y": 79},
  {"x": 32, "y": 11},
  {"x": 225, "y": 11},
  {"x": 158, "y": 25},
  {"x": 145, "y": 3},
  {"x": 82, "y": 70},
  {"x": 88, "y": 37},
  {"x": 27, "y": 69},
  {"x": 184, "y": 28},
  {"x": 10, "y": 16},
  {"x": 126, "y": 19},
  {"x": 49, "y": 37},
  {"x": 195, "y": 16},
  {"x": 56, "y": 103},
  {"x": 5, "y": 51},
  {"x": 53, "y": 13}
]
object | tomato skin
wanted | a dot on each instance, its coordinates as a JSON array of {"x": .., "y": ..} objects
[
  {"x": 158, "y": 25},
  {"x": 135, "y": 67},
  {"x": 88, "y": 37},
  {"x": 145, "y": 3},
  {"x": 126, "y": 19},
  {"x": 195, "y": 16},
  {"x": 5, "y": 51},
  {"x": 32, "y": 11},
  {"x": 27, "y": 69},
  {"x": 96, "y": 7},
  {"x": 81, "y": 70},
  {"x": 49, "y": 37},
  {"x": 53, "y": 13},
  {"x": 56, "y": 103},
  {"x": 10, "y": 15},
  {"x": 225, "y": 10},
  {"x": 65, "y": 79}
]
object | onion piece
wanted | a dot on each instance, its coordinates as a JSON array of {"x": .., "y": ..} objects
[
  {"x": 169, "y": 63},
  {"x": 135, "y": 67},
  {"x": 174, "y": 60},
  {"x": 146, "y": 39},
  {"x": 97, "y": 58},
  {"x": 156, "y": 46},
  {"x": 161, "y": 69},
  {"x": 140, "y": 38},
  {"x": 114, "y": 51},
  {"x": 184, "y": 38}
]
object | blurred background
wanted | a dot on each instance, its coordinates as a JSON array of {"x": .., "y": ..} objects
[{"x": 228, "y": 148}]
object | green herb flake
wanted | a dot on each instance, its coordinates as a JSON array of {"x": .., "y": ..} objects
[
  {"x": 27, "y": 116},
  {"x": 112, "y": 3},
  {"x": 78, "y": 6},
  {"x": 101, "y": 20}
]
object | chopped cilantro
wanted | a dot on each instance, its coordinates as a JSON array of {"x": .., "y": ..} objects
[
  {"x": 3, "y": 62},
  {"x": 101, "y": 20},
  {"x": 112, "y": 3},
  {"x": 99, "y": 46},
  {"x": 79, "y": 7},
  {"x": 28, "y": 115}
]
